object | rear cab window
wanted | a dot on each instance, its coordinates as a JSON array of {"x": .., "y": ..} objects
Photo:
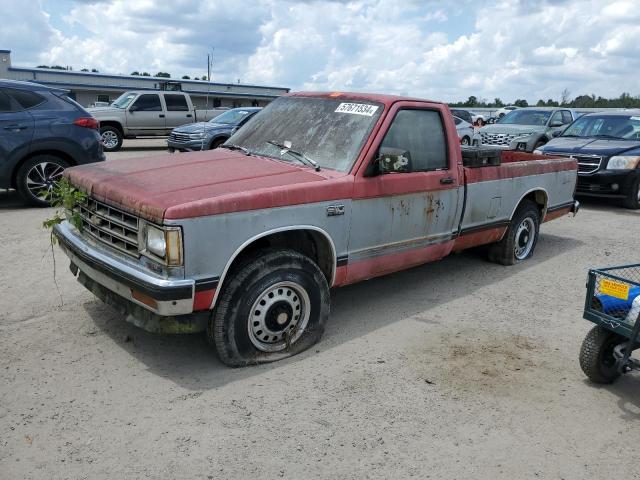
[
  {"x": 176, "y": 103},
  {"x": 421, "y": 133}
]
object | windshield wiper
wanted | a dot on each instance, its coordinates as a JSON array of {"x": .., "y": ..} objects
[
  {"x": 613, "y": 137},
  {"x": 231, "y": 146},
  {"x": 298, "y": 155}
]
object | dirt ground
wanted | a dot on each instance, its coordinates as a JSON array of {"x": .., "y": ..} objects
[{"x": 456, "y": 369}]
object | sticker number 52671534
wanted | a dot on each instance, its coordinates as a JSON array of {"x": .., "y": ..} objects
[{"x": 357, "y": 109}]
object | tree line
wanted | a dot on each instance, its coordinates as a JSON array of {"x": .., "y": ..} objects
[
  {"x": 625, "y": 100},
  {"x": 134, "y": 73}
]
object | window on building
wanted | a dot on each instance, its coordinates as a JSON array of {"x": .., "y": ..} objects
[
  {"x": 255, "y": 103},
  {"x": 5, "y": 102},
  {"x": 176, "y": 103},
  {"x": 217, "y": 103},
  {"x": 103, "y": 98},
  {"x": 419, "y": 132},
  {"x": 148, "y": 103},
  {"x": 24, "y": 98}
]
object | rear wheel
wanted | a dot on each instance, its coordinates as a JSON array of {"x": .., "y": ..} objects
[
  {"x": 111, "y": 138},
  {"x": 273, "y": 306},
  {"x": 632, "y": 200},
  {"x": 596, "y": 355},
  {"x": 521, "y": 237},
  {"x": 37, "y": 178}
]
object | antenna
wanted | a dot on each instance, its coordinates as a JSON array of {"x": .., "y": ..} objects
[{"x": 209, "y": 64}]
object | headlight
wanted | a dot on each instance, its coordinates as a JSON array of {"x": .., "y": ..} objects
[
  {"x": 196, "y": 136},
  {"x": 623, "y": 163},
  {"x": 164, "y": 243},
  {"x": 537, "y": 151}
]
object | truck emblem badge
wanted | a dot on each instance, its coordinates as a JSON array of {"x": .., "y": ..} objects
[{"x": 333, "y": 210}]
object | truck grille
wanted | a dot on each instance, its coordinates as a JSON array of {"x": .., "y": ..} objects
[
  {"x": 503, "y": 139},
  {"x": 586, "y": 163},
  {"x": 111, "y": 226},
  {"x": 179, "y": 137}
]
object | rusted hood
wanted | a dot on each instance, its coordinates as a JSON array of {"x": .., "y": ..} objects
[{"x": 204, "y": 183}]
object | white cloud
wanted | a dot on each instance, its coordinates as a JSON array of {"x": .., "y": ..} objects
[{"x": 436, "y": 49}]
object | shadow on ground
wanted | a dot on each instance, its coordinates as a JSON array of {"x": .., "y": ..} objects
[{"x": 356, "y": 311}]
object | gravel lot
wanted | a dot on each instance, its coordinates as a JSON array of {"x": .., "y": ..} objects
[{"x": 457, "y": 369}]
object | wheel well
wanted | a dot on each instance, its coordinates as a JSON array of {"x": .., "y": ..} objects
[
  {"x": 539, "y": 197},
  {"x": 221, "y": 139},
  {"x": 111, "y": 123},
  {"x": 54, "y": 153},
  {"x": 310, "y": 243}
]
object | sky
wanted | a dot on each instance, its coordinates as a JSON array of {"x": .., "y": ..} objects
[{"x": 441, "y": 50}]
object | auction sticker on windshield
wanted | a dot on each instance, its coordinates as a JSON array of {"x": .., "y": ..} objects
[{"x": 357, "y": 109}]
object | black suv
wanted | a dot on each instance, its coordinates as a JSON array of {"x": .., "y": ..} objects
[{"x": 42, "y": 132}]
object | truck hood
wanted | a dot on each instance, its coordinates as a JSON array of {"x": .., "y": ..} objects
[
  {"x": 170, "y": 187},
  {"x": 198, "y": 127},
  {"x": 592, "y": 146},
  {"x": 103, "y": 111},
  {"x": 513, "y": 129}
]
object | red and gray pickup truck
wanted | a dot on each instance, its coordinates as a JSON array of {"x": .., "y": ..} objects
[{"x": 318, "y": 190}]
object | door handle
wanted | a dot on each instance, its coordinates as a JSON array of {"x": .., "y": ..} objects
[
  {"x": 189, "y": 115},
  {"x": 161, "y": 115},
  {"x": 446, "y": 181},
  {"x": 15, "y": 128}
]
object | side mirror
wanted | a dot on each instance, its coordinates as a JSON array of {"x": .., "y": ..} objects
[
  {"x": 133, "y": 108},
  {"x": 393, "y": 160},
  {"x": 557, "y": 133},
  {"x": 555, "y": 124}
]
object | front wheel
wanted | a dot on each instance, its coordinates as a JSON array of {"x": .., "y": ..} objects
[
  {"x": 273, "y": 306},
  {"x": 37, "y": 178},
  {"x": 632, "y": 199},
  {"x": 216, "y": 143},
  {"x": 596, "y": 355},
  {"x": 521, "y": 236},
  {"x": 465, "y": 141}
]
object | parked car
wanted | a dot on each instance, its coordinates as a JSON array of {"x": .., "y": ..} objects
[
  {"x": 526, "y": 129},
  {"x": 211, "y": 134},
  {"x": 144, "y": 113},
  {"x": 317, "y": 191},
  {"x": 501, "y": 112},
  {"x": 465, "y": 131},
  {"x": 463, "y": 114},
  {"x": 607, "y": 147},
  {"x": 42, "y": 132}
]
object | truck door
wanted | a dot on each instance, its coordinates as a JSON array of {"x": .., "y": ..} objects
[
  {"x": 145, "y": 115},
  {"x": 177, "y": 111},
  {"x": 408, "y": 218}
]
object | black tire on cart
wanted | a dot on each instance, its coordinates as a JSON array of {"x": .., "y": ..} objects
[
  {"x": 632, "y": 200},
  {"x": 274, "y": 305},
  {"x": 111, "y": 138},
  {"x": 596, "y": 355},
  {"x": 521, "y": 237}
]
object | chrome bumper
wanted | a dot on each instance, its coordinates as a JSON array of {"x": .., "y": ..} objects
[
  {"x": 171, "y": 296},
  {"x": 575, "y": 207}
]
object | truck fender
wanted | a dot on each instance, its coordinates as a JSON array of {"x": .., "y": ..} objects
[
  {"x": 538, "y": 195},
  {"x": 267, "y": 233}
]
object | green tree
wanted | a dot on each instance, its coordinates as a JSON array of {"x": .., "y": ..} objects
[
  {"x": 145, "y": 74},
  {"x": 135, "y": 73},
  {"x": 186, "y": 77},
  {"x": 521, "y": 103},
  {"x": 162, "y": 75}
]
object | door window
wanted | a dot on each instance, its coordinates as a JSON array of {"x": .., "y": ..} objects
[
  {"x": 176, "y": 103},
  {"x": 557, "y": 117},
  {"x": 566, "y": 116},
  {"x": 420, "y": 132},
  {"x": 148, "y": 103},
  {"x": 5, "y": 102},
  {"x": 25, "y": 98}
]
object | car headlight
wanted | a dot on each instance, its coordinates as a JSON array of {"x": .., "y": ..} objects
[
  {"x": 537, "y": 151},
  {"x": 164, "y": 243},
  {"x": 196, "y": 136},
  {"x": 623, "y": 162}
]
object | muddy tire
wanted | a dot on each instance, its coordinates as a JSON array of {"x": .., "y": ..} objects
[
  {"x": 216, "y": 143},
  {"x": 111, "y": 138},
  {"x": 596, "y": 355},
  {"x": 521, "y": 236},
  {"x": 37, "y": 177},
  {"x": 632, "y": 200},
  {"x": 272, "y": 306}
]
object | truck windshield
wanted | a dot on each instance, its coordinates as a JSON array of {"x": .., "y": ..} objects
[
  {"x": 123, "y": 100},
  {"x": 623, "y": 127},
  {"x": 232, "y": 117},
  {"x": 329, "y": 131},
  {"x": 526, "y": 117}
]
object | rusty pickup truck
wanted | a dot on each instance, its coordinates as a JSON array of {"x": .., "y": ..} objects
[{"x": 318, "y": 190}]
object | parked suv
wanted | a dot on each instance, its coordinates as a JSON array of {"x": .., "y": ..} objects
[
  {"x": 526, "y": 129},
  {"x": 211, "y": 134},
  {"x": 42, "y": 132},
  {"x": 607, "y": 148}
]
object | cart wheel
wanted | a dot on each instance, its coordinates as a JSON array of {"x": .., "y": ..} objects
[{"x": 596, "y": 355}]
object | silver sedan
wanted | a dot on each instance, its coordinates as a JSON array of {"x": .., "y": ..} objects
[{"x": 465, "y": 131}]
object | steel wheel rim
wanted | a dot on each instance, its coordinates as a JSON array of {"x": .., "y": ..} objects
[
  {"x": 465, "y": 141},
  {"x": 279, "y": 316},
  {"x": 525, "y": 236},
  {"x": 109, "y": 139},
  {"x": 42, "y": 178}
]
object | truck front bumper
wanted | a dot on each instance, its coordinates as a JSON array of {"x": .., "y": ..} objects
[
  {"x": 154, "y": 303},
  {"x": 607, "y": 183}
]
